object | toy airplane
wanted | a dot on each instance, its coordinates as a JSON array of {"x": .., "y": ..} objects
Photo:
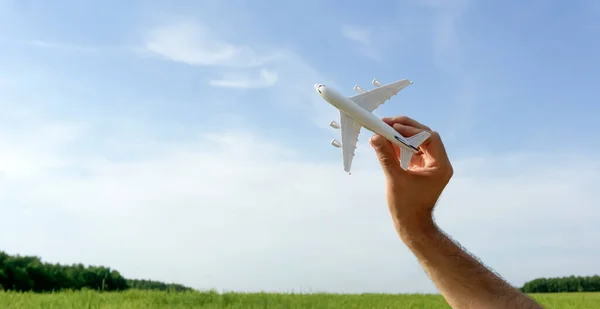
[{"x": 356, "y": 112}]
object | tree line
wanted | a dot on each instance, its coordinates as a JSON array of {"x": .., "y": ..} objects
[
  {"x": 563, "y": 284},
  {"x": 143, "y": 284},
  {"x": 29, "y": 273}
]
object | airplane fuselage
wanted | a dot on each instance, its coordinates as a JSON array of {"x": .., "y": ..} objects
[{"x": 364, "y": 117}]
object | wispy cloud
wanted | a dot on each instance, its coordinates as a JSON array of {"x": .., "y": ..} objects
[
  {"x": 449, "y": 58},
  {"x": 362, "y": 36},
  {"x": 266, "y": 79},
  {"x": 195, "y": 43},
  {"x": 357, "y": 34},
  {"x": 34, "y": 155},
  {"x": 79, "y": 48},
  {"x": 62, "y": 46},
  {"x": 281, "y": 70},
  {"x": 446, "y": 38}
]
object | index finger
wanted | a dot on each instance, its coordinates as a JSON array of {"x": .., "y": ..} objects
[
  {"x": 433, "y": 146},
  {"x": 404, "y": 120}
]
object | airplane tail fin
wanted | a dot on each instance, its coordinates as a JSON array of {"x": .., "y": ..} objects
[
  {"x": 418, "y": 139},
  {"x": 415, "y": 140}
]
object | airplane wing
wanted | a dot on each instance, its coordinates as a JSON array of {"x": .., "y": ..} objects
[
  {"x": 371, "y": 99},
  {"x": 350, "y": 130}
]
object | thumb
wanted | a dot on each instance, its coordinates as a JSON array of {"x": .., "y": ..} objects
[{"x": 388, "y": 158}]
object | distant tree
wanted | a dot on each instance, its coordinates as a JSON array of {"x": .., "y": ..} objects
[
  {"x": 563, "y": 284},
  {"x": 29, "y": 273},
  {"x": 143, "y": 284}
]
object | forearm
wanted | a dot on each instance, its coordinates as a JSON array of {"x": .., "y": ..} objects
[{"x": 462, "y": 280}]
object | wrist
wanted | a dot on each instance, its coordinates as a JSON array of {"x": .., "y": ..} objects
[{"x": 416, "y": 227}]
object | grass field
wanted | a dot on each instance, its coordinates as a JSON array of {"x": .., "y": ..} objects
[{"x": 163, "y": 300}]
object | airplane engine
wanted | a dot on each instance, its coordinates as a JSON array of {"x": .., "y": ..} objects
[
  {"x": 334, "y": 125},
  {"x": 335, "y": 143},
  {"x": 358, "y": 89},
  {"x": 376, "y": 83}
]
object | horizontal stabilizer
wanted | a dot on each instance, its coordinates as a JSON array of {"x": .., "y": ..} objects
[{"x": 405, "y": 156}]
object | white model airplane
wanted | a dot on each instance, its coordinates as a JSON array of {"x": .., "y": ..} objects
[{"x": 356, "y": 112}]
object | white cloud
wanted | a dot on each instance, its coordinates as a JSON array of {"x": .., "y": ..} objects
[
  {"x": 295, "y": 81},
  {"x": 234, "y": 210},
  {"x": 61, "y": 46},
  {"x": 24, "y": 156},
  {"x": 362, "y": 36},
  {"x": 446, "y": 38},
  {"x": 235, "y": 80},
  {"x": 85, "y": 49},
  {"x": 194, "y": 43},
  {"x": 287, "y": 76},
  {"x": 357, "y": 34},
  {"x": 449, "y": 58}
]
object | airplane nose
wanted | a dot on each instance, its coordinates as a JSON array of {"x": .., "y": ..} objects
[{"x": 319, "y": 87}]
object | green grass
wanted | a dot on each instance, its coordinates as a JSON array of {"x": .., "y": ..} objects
[{"x": 158, "y": 300}]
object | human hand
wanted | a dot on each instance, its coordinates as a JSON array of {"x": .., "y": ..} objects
[
  {"x": 411, "y": 196},
  {"x": 413, "y": 193}
]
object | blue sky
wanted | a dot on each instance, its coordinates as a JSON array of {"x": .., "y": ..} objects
[{"x": 134, "y": 133}]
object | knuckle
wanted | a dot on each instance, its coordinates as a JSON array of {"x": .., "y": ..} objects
[
  {"x": 386, "y": 160},
  {"x": 402, "y": 119},
  {"x": 450, "y": 171},
  {"x": 447, "y": 172}
]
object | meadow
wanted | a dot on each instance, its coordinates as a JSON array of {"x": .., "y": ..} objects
[{"x": 138, "y": 299}]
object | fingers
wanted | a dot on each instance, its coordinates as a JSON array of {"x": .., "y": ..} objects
[
  {"x": 436, "y": 150},
  {"x": 406, "y": 130},
  {"x": 433, "y": 146},
  {"x": 388, "y": 157},
  {"x": 407, "y": 121}
]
